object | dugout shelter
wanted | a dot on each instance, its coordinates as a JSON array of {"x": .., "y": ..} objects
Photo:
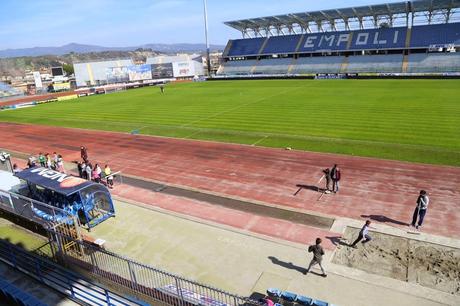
[{"x": 89, "y": 201}]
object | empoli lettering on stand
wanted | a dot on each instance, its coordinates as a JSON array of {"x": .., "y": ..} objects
[{"x": 359, "y": 39}]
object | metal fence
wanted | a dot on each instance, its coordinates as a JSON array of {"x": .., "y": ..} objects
[
  {"x": 60, "y": 279},
  {"x": 141, "y": 280},
  {"x": 145, "y": 280}
]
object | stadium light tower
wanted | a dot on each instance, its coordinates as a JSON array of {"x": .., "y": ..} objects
[{"x": 208, "y": 57}]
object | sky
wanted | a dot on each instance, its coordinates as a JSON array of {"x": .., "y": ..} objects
[{"x": 121, "y": 23}]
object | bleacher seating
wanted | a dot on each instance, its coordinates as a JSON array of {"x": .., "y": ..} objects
[
  {"x": 237, "y": 67},
  {"x": 281, "y": 297},
  {"x": 273, "y": 66},
  {"x": 437, "y": 34},
  {"x": 319, "y": 64},
  {"x": 246, "y": 47},
  {"x": 391, "y": 63},
  {"x": 281, "y": 44},
  {"x": 397, "y": 39},
  {"x": 8, "y": 91},
  {"x": 12, "y": 295},
  {"x": 434, "y": 62}
]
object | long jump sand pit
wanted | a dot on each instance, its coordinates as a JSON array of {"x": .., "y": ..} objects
[{"x": 427, "y": 264}]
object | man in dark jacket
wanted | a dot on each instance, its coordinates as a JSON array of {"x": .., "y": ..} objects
[
  {"x": 318, "y": 253},
  {"x": 335, "y": 176}
]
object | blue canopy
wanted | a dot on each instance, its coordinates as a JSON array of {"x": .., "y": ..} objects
[{"x": 53, "y": 180}]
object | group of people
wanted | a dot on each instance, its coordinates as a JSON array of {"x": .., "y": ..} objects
[
  {"x": 333, "y": 176},
  {"x": 54, "y": 162},
  {"x": 93, "y": 173}
]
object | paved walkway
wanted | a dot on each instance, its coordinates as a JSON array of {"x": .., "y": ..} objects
[
  {"x": 245, "y": 264},
  {"x": 384, "y": 191}
]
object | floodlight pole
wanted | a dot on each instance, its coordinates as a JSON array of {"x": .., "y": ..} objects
[{"x": 208, "y": 57}]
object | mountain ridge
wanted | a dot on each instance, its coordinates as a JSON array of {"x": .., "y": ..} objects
[{"x": 85, "y": 48}]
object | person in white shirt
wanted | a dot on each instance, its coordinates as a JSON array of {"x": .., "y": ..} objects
[
  {"x": 420, "y": 210},
  {"x": 363, "y": 234}
]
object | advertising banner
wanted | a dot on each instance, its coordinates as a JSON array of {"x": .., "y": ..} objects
[
  {"x": 117, "y": 75},
  {"x": 139, "y": 72},
  {"x": 61, "y": 86},
  {"x": 183, "y": 69},
  {"x": 162, "y": 71}
]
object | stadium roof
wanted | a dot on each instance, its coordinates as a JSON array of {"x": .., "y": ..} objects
[{"x": 345, "y": 15}]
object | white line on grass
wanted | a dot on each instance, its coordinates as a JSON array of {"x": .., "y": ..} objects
[{"x": 260, "y": 140}]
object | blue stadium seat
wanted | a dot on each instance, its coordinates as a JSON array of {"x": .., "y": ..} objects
[
  {"x": 437, "y": 34},
  {"x": 304, "y": 300},
  {"x": 320, "y": 303},
  {"x": 246, "y": 47},
  {"x": 288, "y": 296},
  {"x": 282, "y": 44}
]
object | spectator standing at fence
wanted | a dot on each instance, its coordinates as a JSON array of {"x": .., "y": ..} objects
[
  {"x": 318, "y": 253},
  {"x": 42, "y": 159},
  {"x": 80, "y": 169},
  {"x": 363, "y": 234},
  {"x": 83, "y": 170},
  {"x": 335, "y": 176},
  {"x": 49, "y": 163},
  {"x": 108, "y": 176},
  {"x": 88, "y": 171},
  {"x": 16, "y": 169},
  {"x": 420, "y": 210},
  {"x": 84, "y": 153},
  {"x": 60, "y": 164},
  {"x": 54, "y": 165},
  {"x": 31, "y": 162},
  {"x": 97, "y": 173}
]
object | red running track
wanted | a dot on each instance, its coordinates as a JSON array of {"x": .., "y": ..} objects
[{"x": 382, "y": 190}]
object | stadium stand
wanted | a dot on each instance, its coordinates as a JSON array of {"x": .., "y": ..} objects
[
  {"x": 391, "y": 63},
  {"x": 441, "y": 63},
  {"x": 95, "y": 73},
  {"x": 318, "y": 64},
  {"x": 7, "y": 91},
  {"x": 404, "y": 37}
]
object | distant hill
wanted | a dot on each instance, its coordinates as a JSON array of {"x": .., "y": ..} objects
[{"x": 80, "y": 48}]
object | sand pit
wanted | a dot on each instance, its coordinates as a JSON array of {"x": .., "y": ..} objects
[{"x": 409, "y": 260}]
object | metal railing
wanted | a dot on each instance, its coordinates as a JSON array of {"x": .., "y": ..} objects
[
  {"x": 139, "y": 279},
  {"x": 51, "y": 274},
  {"x": 145, "y": 280}
]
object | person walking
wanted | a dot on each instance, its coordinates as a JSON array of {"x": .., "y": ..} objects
[
  {"x": 317, "y": 259},
  {"x": 84, "y": 154},
  {"x": 363, "y": 234},
  {"x": 420, "y": 210},
  {"x": 335, "y": 176}
]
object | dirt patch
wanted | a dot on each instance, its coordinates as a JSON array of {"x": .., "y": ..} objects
[{"x": 429, "y": 265}]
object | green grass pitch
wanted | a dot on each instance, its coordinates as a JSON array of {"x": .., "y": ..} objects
[{"x": 410, "y": 120}]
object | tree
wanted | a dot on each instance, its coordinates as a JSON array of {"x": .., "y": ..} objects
[{"x": 68, "y": 68}]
